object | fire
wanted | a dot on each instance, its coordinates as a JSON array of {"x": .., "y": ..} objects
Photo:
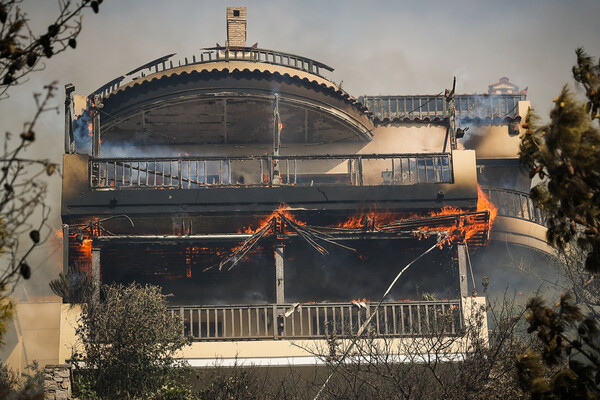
[
  {"x": 86, "y": 248},
  {"x": 484, "y": 204},
  {"x": 465, "y": 226},
  {"x": 283, "y": 209},
  {"x": 363, "y": 300},
  {"x": 90, "y": 129},
  {"x": 368, "y": 219}
]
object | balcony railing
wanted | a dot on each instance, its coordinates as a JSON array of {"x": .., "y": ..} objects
[
  {"x": 515, "y": 204},
  {"x": 205, "y": 172},
  {"x": 468, "y": 106},
  {"x": 398, "y": 319},
  {"x": 212, "y": 55}
]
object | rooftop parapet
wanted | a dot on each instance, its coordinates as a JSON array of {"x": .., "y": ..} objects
[
  {"x": 214, "y": 55},
  {"x": 469, "y": 107}
]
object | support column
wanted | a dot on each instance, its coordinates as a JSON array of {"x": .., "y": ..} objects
[
  {"x": 276, "y": 177},
  {"x": 95, "y": 111},
  {"x": 96, "y": 272},
  {"x": 65, "y": 261},
  {"x": 225, "y": 121},
  {"x": 69, "y": 137},
  {"x": 462, "y": 270},
  {"x": 279, "y": 277}
]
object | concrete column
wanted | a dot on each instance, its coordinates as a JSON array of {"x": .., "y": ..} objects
[
  {"x": 65, "y": 261},
  {"x": 279, "y": 277},
  {"x": 462, "y": 270},
  {"x": 96, "y": 141},
  {"x": 96, "y": 272},
  {"x": 225, "y": 121}
]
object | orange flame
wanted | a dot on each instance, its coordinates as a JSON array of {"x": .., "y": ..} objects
[
  {"x": 363, "y": 300},
  {"x": 283, "y": 209},
  {"x": 86, "y": 247},
  {"x": 484, "y": 204},
  {"x": 366, "y": 219}
]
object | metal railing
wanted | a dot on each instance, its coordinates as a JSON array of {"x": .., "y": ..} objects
[
  {"x": 311, "y": 320},
  {"x": 212, "y": 55},
  {"x": 193, "y": 173},
  {"x": 515, "y": 204},
  {"x": 436, "y": 107}
]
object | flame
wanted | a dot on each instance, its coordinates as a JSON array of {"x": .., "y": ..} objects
[
  {"x": 484, "y": 204},
  {"x": 368, "y": 219},
  {"x": 86, "y": 248},
  {"x": 283, "y": 209},
  {"x": 90, "y": 129},
  {"x": 363, "y": 300}
]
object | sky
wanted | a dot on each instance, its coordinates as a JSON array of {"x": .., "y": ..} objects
[{"x": 375, "y": 47}]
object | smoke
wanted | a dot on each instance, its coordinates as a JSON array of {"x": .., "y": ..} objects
[
  {"x": 439, "y": 40},
  {"x": 514, "y": 270},
  {"x": 82, "y": 133}
]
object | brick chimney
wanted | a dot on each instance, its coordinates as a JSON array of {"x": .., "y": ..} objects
[{"x": 236, "y": 27}]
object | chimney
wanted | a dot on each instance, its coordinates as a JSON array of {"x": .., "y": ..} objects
[{"x": 236, "y": 27}]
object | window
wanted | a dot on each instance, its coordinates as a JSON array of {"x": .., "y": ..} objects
[{"x": 236, "y": 13}]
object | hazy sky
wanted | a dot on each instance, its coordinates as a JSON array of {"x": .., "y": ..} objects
[{"x": 376, "y": 47}]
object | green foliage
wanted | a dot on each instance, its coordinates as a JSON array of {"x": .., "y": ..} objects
[
  {"x": 240, "y": 384},
  {"x": 129, "y": 340},
  {"x": 173, "y": 390},
  {"x": 568, "y": 365},
  {"x": 29, "y": 387},
  {"x": 82, "y": 387},
  {"x": 7, "y": 310},
  {"x": 566, "y": 155},
  {"x": 588, "y": 75}
]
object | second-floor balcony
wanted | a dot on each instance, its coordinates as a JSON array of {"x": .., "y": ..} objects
[{"x": 269, "y": 170}]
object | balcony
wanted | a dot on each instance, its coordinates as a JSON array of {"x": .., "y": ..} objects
[
  {"x": 314, "y": 321},
  {"x": 520, "y": 221},
  {"x": 260, "y": 184},
  {"x": 434, "y": 108},
  {"x": 515, "y": 204},
  {"x": 268, "y": 171}
]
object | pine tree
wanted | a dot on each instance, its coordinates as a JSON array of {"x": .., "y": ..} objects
[{"x": 565, "y": 154}]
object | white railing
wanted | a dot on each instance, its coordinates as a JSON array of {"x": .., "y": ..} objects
[{"x": 316, "y": 320}]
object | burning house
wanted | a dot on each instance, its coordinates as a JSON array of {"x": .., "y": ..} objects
[{"x": 268, "y": 200}]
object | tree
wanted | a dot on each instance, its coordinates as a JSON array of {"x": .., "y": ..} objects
[
  {"x": 565, "y": 154},
  {"x": 22, "y": 187},
  {"x": 434, "y": 364},
  {"x": 129, "y": 340}
]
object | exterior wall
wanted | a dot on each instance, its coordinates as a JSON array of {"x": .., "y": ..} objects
[
  {"x": 495, "y": 141},
  {"x": 521, "y": 232},
  {"x": 34, "y": 334},
  {"x": 75, "y": 177}
]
